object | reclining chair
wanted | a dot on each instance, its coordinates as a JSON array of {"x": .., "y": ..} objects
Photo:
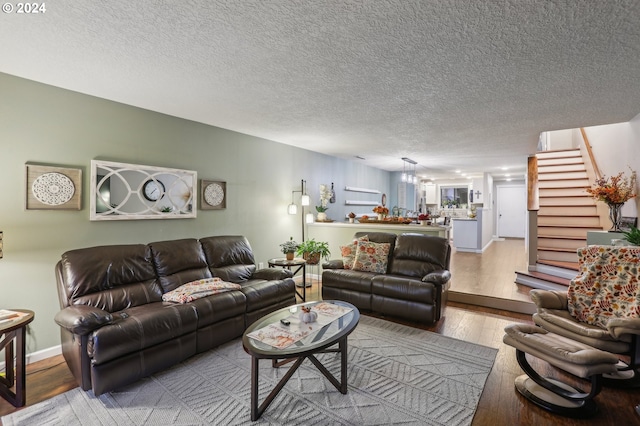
[{"x": 586, "y": 330}]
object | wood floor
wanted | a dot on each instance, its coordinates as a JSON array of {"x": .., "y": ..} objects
[{"x": 499, "y": 405}]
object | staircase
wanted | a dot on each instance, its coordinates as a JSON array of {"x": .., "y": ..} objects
[{"x": 566, "y": 213}]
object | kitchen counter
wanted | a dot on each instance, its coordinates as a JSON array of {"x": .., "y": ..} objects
[
  {"x": 471, "y": 234},
  {"x": 341, "y": 233}
]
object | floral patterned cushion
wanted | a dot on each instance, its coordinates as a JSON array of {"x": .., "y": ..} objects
[
  {"x": 197, "y": 289},
  {"x": 607, "y": 286},
  {"x": 348, "y": 252},
  {"x": 371, "y": 257}
]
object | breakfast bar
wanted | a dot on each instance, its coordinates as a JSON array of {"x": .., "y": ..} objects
[{"x": 341, "y": 233}]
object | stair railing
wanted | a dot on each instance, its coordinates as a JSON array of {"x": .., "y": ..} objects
[
  {"x": 592, "y": 158},
  {"x": 593, "y": 173}
]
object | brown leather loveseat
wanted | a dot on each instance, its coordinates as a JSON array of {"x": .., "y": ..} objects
[
  {"x": 410, "y": 288},
  {"x": 115, "y": 328}
]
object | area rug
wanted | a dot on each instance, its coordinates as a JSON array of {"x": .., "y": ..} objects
[{"x": 397, "y": 375}]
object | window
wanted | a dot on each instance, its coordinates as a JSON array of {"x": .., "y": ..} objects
[{"x": 456, "y": 197}]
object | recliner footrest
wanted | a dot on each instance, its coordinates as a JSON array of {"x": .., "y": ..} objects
[
  {"x": 569, "y": 355},
  {"x": 573, "y": 357}
]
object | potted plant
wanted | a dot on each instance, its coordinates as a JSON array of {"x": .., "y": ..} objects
[
  {"x": 289, "y": 248},
  {"x": 325, "y": 196},
  {"x": 633, "y": 236},
  {"x": 352, "y": 217},
  {"x": 312, "y": 251},
  {"x": 322, "y": 216}
]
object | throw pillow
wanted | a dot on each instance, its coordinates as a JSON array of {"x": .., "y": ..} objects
[
  {"x": 372, "y": 257},
  {"x": 197, "y": 289},
  {"x": 348, "y": 252},
  {"x": 607, "y": 286}
]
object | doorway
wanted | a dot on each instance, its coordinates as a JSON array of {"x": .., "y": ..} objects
[{"x": 511, "y": 212}]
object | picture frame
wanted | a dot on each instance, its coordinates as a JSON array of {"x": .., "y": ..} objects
[
  {"x": 213, "y": 194},
  {"x": 125, "y": 191},
  {"x": 628, "y": 222},
  {"x": 53, "y": 188}
]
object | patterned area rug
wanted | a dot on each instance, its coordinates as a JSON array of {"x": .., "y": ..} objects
[{"x": 397, "y": 375}]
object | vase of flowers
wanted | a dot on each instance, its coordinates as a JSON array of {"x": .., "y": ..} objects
[
  {"x": 325, "y": 196},
  {"x": 289, "y": 248},
  {"x": 614, "y": 191},
  {"x": 381, "y": 211}
]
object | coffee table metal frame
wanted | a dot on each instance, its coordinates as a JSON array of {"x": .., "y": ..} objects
[{"x": 298, "y": 352}]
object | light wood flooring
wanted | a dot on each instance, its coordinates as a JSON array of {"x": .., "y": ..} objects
[{"x": 499, "y": 405}]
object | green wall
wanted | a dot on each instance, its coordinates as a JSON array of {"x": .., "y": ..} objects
[{"x": 47, "y": 125}]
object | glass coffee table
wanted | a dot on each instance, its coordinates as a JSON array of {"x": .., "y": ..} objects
[{"x": 268, "y": 338}]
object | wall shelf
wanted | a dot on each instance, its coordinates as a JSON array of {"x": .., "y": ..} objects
[
  {"x": 354, "y": 189},
  {"x": 361, "y": 203}
]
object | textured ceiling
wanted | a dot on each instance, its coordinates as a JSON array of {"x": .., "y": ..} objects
[{"x": 451, "y": 84}]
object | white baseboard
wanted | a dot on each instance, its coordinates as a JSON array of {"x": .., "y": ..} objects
[{"x": 40, "y": 355}]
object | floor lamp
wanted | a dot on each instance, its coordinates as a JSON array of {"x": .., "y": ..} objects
[{"x": 304, "y": 201}]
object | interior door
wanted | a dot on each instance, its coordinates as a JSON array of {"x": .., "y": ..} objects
[{"x": 512, "y": 211}]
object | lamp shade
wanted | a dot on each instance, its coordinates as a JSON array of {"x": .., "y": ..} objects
[
  {"x": 292, "y": 209},
  {"x": 309, "y": 218},
  {"x": 305, "y": 200}
]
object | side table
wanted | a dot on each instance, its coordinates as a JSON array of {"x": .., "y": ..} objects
[
  {"x": 15, "y": 329},
  {"x": 298, "y": 264}
]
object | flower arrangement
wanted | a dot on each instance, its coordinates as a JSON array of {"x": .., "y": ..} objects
[
  {"x": 614, "y": 190},
  {"x": 423, "y": 216},
  {"x": 289, "y": 246},
  {"x": 352, "y": 215},
  {"x": 381, "y": 210},
  {"x": 325, "y": 196}
]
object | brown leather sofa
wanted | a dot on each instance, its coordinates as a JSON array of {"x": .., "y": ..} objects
[
  {"x": 115, "y": 328},
  {"x": 411, "y": 288}
]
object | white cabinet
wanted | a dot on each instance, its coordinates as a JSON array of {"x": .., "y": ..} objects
[
  {"x": 477, "y": 186},
  {"x": 430, "y": 193}
]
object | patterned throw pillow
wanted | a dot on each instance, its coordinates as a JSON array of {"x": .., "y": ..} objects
[
  {"x": 371, "y": 257},
  {"x": 607, "y": 286},
  {"x": 348, "y": 253},
  {"x": 197, "y": 289}
]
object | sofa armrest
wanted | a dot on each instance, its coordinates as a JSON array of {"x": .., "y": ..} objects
[
  {"x": 333, "y": 264},
  {"x": 271, "y": 274},
  {"x": 82, "y": 319},
  {"x": 439, "y": 277},
  {"x": 549, "y": 299},
  {"x": 619, "y": 326}
]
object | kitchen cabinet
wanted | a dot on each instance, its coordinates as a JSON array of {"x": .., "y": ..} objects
[
  {"x": 430, "y": 193},
  {"x": 477, "y": 186}
]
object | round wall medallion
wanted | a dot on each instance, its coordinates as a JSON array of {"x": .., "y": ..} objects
[
  {"x": 213, "y": 194},
  {"x": 53, "y": 189}
]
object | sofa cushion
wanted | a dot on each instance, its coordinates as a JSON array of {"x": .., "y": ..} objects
[
  {"x": 403, "y": 288},
  {"x": 141, "y": 327},
  {"x": 219, "y": 307},
  {"x": 111, "y": 278},
  {"x": 179, "y": 262},
  {"x": 261, "y": 293},
  {"x": 417, "y": 255},
  {"x": 229, "y": 257},
  {"x": 607, "y": 286},
  {"x": 348, "y": 252},
  {"x": 371, "y": 257},
  {"x": 199, "y": 289}
]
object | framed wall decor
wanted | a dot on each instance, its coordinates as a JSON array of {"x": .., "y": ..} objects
[
  {"x": 122, "y": 191},
  {"x": 53, "y": 188},
  {"x": 627, "y": 222},
  {"x": 213, "y": 195}
]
